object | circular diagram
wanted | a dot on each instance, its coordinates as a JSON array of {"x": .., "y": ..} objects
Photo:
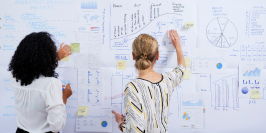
[
  {"x": 104, "y": 124},
  {"x": 221, "y": 33},
  {"x": 219, "y": 65},
  {"x": 244, "y": 90}
]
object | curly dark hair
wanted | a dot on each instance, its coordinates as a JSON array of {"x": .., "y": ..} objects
[{"x": 36, "y": 55}]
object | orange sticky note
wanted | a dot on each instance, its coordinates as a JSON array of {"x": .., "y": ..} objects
[{"x": 121, "y": 65}]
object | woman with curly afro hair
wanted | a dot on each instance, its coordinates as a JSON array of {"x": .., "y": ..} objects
[{"x": 39, "y": 99}]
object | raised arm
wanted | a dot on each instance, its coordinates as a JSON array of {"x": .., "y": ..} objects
[{"x": 177, "y": 44}]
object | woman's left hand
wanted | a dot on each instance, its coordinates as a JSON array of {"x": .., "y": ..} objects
[
  {"x": 118, "y": 117},
  {"x": 64, "y": 51}
]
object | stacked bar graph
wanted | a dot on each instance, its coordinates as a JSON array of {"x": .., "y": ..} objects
[
  {"x": 225, "y": 94},
  {"x": 217, "y": 95},
  {"x": 222, "y": 95},
  {"x": 88, "y": 4},
  {"x": 235, "y": 93}
]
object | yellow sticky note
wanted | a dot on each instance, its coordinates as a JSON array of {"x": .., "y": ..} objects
[
  {"x": 189, "y": 24},
  {"x": 254, "y": 94},
  {"x": 83, "y": 110},
  {"x": 187, "y": 74},
  {"x": 187, "y": 60},
  {"x": 75, "y": 47},
  {"x": 65, "y": 59},
  {"x": 121, "y": 65}
]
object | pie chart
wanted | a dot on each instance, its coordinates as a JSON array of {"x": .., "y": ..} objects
[
  {"x": 104, "y": 124},
  {"x": 221, "y": 32},
  {"x": 219, "y": 65},
  {"x": 244, "y": 90}
]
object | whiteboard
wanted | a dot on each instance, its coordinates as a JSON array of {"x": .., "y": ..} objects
[{"x": 108, "y": 37}]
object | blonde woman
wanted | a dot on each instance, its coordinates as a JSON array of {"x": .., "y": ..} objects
[{"x": 147, "y": 98}]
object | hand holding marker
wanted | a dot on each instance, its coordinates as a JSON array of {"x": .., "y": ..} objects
[{"x": 67, "y": 92}]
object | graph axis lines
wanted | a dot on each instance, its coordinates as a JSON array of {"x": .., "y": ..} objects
[
  {"x": 223, "y": 78},
  {"x": 220, "y": 40},
  {"x": 224, "y": 95}
]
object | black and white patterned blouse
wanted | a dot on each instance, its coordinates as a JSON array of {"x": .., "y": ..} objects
[{"x": 147, "y": 104}]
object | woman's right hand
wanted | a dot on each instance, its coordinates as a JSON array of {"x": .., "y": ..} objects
[
  {"x": 177, "y": 44},
  {"x": 67, "y": 92},
  {"x": 176, "y": 41}
]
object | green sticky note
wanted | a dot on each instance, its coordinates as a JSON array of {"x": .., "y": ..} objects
[{"x": 75, "y": 47}]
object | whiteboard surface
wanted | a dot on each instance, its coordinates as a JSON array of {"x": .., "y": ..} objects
[{"x": 246, "y": 30}]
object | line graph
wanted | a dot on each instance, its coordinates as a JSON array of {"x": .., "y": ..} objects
[
  {"x": 95, "y": 121},
  {"x": 207, "y": 58},
  {"x": 136, "y": 20},
  {"x": 192, "y": 110},
  {"x": 146, "y": 25},
  {"x": 94, "y": 117},
  {"x": 189, "y": 103},
  {"x": 254, "y": 73}
]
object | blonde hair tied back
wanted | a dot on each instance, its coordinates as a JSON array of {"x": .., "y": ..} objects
[{"x": 145, "y": 49}]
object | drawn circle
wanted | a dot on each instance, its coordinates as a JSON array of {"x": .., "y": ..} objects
[
  {"x": 219, "y": 65},
  {"x": 244, "y": 90},
  {"x": 104, "y": 124},
  {"x": 221, "y": 32}
]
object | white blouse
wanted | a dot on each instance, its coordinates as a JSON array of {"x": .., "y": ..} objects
[{"x": 40, "y": 106}]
